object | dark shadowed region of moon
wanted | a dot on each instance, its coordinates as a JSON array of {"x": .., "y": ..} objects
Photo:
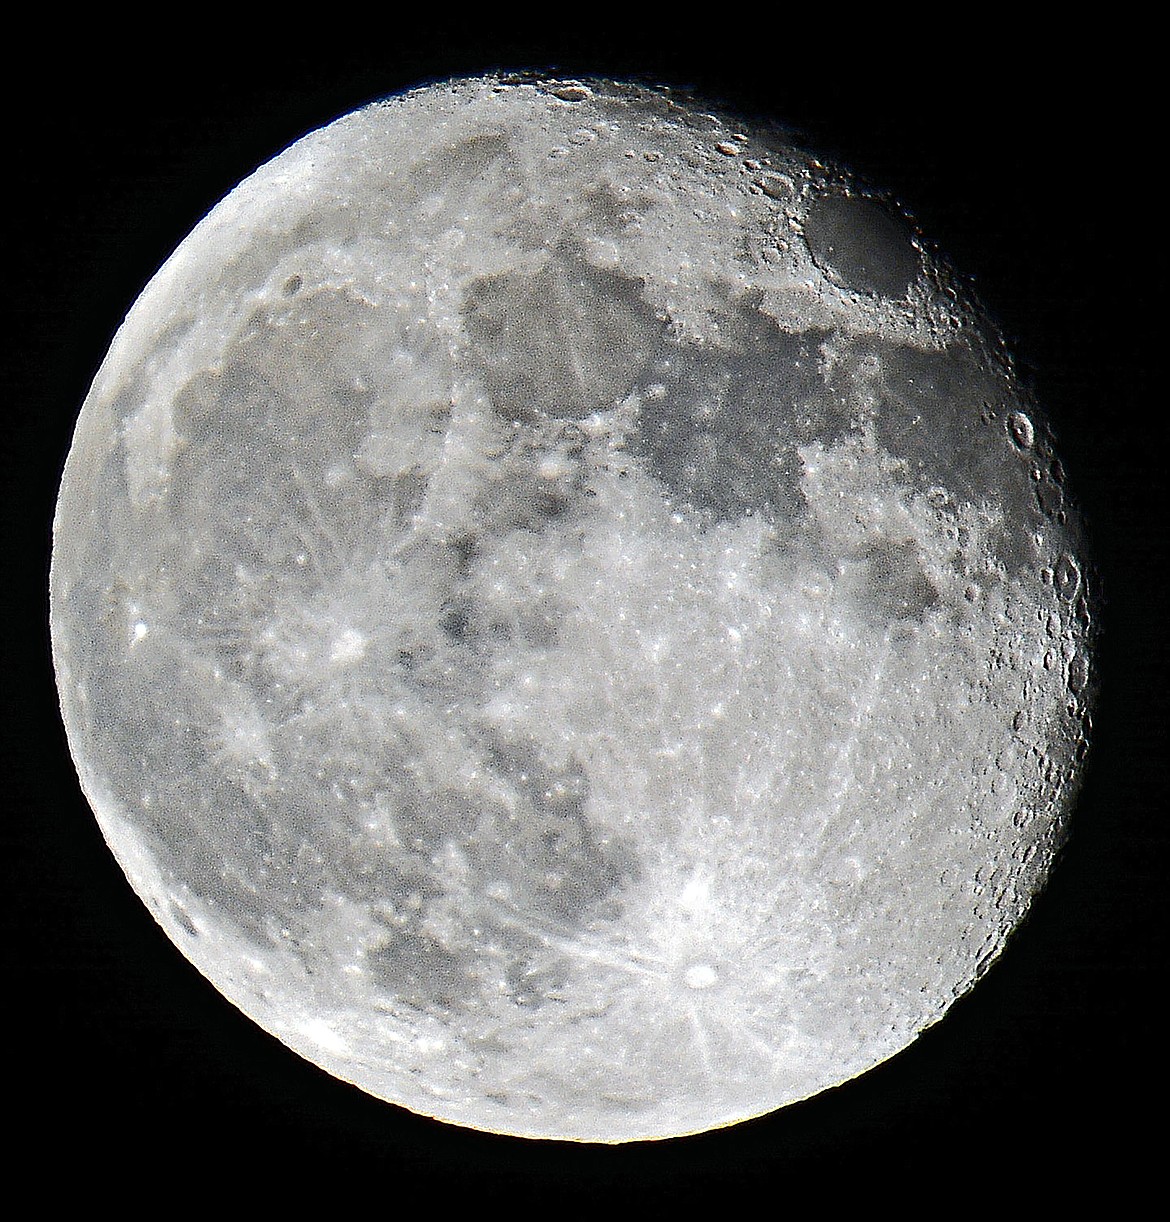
[{"x": 566, "y": 615}]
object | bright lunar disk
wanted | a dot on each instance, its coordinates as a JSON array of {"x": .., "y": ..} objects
[{"x": 565, "y": 615}]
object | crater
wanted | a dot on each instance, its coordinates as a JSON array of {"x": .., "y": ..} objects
[
  {"x": 700, "y": 976},
  {"x": 183, "y": 921},
  {"x": 863, "y": 244}
]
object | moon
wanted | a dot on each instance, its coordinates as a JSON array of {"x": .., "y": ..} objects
[{"x": 566, "y": 614}]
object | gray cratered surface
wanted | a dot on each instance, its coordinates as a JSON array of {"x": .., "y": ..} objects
[{"x": 566, "y": 617}]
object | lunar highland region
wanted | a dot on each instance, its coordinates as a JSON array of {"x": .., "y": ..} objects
[{"x": 566, "y": 615}]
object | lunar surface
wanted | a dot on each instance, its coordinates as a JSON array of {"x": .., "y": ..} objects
[{"x": 566, "y": 616}]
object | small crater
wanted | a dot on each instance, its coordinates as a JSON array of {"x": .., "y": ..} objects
[
  {"x": 1078, "y": 673},
  {"x": 1020, "y": 429},
  {"x": 293, "y": 285},
  {"x": 1049, "y": 497},
  {"x": 184, "y": 921},
  {"x": 776, "y": 186},
  {"x": 700, "y": 976},
  {"x": 571, "y": 93},
  {"x": 1066, "y": 578}
]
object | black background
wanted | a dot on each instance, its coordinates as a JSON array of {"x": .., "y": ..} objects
[{"x": 1030, "y": 166}]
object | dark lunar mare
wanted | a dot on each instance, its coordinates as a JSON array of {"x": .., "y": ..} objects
[
  {"x": 560, "y": 342},
  {"x": 720, "y": 428}
]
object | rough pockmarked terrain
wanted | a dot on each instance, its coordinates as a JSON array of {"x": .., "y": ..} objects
[{"x": 565, "y": 616}]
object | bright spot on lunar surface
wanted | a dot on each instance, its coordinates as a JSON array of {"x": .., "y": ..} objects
[{"x": 565, "y": 615}]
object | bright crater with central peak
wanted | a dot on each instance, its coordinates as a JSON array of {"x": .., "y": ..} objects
[{"x": 565, "y": 616}]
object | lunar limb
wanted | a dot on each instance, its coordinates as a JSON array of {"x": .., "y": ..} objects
[{"x": 566, "y": 616}]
